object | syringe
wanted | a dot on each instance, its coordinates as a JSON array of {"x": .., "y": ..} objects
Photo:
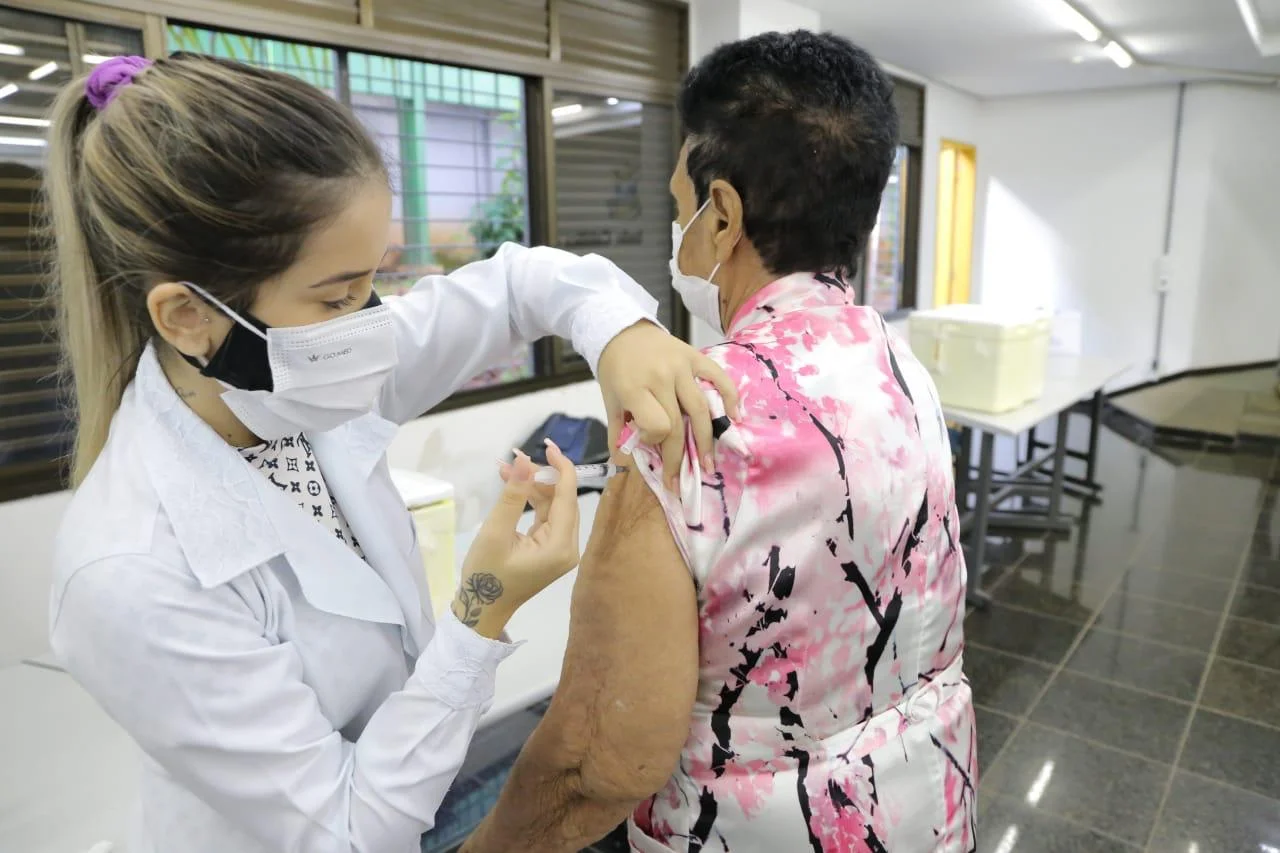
[{"x": 596, "y": 472}]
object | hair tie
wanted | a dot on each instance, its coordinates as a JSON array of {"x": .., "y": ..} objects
[{"x": 106, "y": 81}]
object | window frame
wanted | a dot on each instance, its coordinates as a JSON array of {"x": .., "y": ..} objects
[{"x": 911, "y": 137}]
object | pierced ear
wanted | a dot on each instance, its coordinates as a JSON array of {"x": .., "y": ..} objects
[{"x": 181, "y": 318}]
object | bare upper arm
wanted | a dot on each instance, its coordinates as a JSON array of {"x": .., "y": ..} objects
[{"x": 631, "y": 669}]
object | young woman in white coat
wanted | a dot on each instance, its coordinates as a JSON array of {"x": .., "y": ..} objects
[{"x": 237, "y": 581}]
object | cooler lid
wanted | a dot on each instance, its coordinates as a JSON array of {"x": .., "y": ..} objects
[
  {"x": 978, "y": 319},
  {"x": 419, "y": 490}
]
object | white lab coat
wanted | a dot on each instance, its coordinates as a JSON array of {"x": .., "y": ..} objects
[{"x": 287, "y": 695}]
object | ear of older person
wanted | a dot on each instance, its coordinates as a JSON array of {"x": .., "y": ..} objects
[{"x": 504, "y": 567}]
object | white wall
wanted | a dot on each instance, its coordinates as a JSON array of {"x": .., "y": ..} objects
[
  {"x": 768, "y": 16},
  {"x": 1190, "y": 211},
  {"x": 1076, "y": 193},
  {"x": 1077, "y": 188},
  {"x": 1237, "y": 308}
]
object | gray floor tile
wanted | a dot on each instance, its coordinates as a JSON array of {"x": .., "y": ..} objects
[
  {"x": 1210, "y": 817},
  {"x": 994, "y": 731},
  {"x": 1027, "y": 634},
  {"x": 1243, "y": 690},
  {"x": 1176, "y": 588},
  {"x": 1003, "y": 683},
  {"x": 1200, "y": 558},
  {"x": 1234, "y": 751},
  {"x": 1074, "y": 603},
  {"x": 1252, "y": 643},
  {"x": 1258, "y": 603},
  {"x": 1088, "y": 784},
  {"x": 1263, "y": 571},
  {"x": 1113, "y": 715},
  {"x": 1155, "y": 620},
  {"x": 1006, "y": 825},
  {"x": 1139, "y": 663},
  {"x": 1217, "y": 539}
]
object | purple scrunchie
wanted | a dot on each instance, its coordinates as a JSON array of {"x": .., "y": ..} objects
[{"x": 110, "y": 77}]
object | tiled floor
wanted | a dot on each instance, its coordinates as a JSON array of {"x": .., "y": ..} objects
[{"x": 1128, "y": 677}]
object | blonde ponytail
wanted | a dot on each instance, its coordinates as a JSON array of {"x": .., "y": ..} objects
[
  {"x": 199, "y": 170},
  {"x": 100, "y": 340}
]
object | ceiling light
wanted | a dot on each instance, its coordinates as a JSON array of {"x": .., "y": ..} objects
[
  {"x": 43, "y": 71},
  {"x": 28, "y": 141},
  {"x": 566, "y": 111},
  {"x": 613, "y": 102},
  {"x": 8, "y": 89},
  {"x": 94, "y": 58},
  {"x": 1118, "y": 54},
  {"x": 23, "y": 121},
  {"x": 1071, "y": 18},
  {"x": 11, "y": 50}
]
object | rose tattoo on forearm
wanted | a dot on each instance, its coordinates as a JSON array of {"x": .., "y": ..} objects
[{"x": 477, "y": 591}]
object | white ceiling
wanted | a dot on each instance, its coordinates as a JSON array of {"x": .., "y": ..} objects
[{"x": 995, "y": 48}]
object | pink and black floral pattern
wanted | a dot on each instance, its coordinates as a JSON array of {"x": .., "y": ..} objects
[{"x": 832, "y": 713}]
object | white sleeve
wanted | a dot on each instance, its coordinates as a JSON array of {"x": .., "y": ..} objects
[
  {"x": 449, "y": 328},
  {"x": 189, "y": 675}
]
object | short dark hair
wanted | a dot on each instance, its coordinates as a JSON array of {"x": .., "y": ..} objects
[{"x": 804, "y": 127}]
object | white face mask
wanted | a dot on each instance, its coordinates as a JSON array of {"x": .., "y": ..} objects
[
  {"x": 699, "y": 295},
  {"x": 322, "y": 375}
]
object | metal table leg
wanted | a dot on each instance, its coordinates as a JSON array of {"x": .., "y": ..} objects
[
  {"x": 1059, "y": 466},
  {"x": 964, "y": 464},
  {"x": 982, "y": 511},
  {"x": 1091, "y": 456}
]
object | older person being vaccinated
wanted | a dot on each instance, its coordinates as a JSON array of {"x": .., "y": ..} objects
[{"x": 768, "y": 658}]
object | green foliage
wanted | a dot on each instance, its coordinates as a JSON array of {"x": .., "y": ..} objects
[{"x": 500, "y": 219}]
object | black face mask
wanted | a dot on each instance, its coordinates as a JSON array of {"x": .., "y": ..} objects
[{"x": 241, "y": 359}]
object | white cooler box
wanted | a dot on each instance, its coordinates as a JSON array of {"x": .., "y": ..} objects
[
  {"x": 430, "y": 502},
  {"x": 982, "y": 358}
]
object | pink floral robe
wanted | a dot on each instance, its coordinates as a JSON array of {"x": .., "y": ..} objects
[{"x": 832, "y": 713}]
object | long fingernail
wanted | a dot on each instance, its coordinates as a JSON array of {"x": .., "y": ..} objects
[{"x": 708, "y": 463}]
